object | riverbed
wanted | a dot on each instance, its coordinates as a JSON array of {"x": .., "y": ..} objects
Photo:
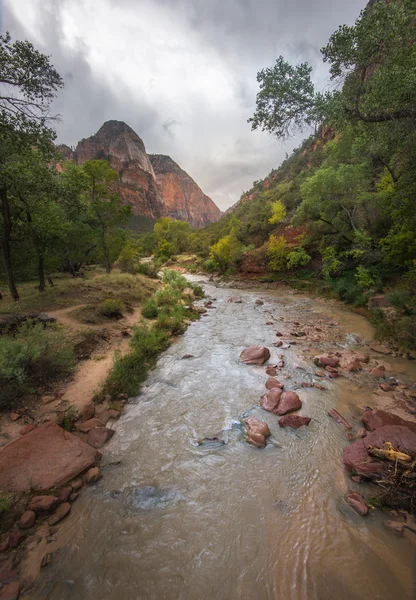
[{"x": 173, "y": 520}]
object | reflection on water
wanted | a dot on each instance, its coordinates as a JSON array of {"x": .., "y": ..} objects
[{"x": 178, "y": 520}]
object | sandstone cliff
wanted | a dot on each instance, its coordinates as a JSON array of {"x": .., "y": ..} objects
[
  {"x": 182, "y": 197},
  {"x": 168, "y": 192}
]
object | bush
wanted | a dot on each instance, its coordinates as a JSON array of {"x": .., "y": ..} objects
[
  {"x": 198, "y": 291},
  {"x": 277, "y": 253},
  {"x": 211, "y": 266},
  {"x": 172, "y": 319},
  {"x": 111, "y": 309},
  {"x": 150, "y": 310},
  {"x": 166, "y": 296},
  {"x": 129, "y": 371},
  {"x": 348, "y": 289},
  {"x": 399, "y": 330},
  {"x": 175, "y": 279},
  {"x": 298, "y": 258},
  {"x": 35, "y": 354}
]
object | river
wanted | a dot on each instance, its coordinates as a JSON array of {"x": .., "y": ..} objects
[{"x": 178, "y": 521}]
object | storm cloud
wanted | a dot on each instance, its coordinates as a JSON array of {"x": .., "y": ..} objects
[{"x": 181, "y": 73}]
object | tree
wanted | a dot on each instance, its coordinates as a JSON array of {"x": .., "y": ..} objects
[
  {"x": 278, "y": 213},
  {"x": 28, "y": 83},
  {"x": 105, "y": 204}
]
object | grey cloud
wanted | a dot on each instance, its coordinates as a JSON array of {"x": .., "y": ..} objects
[{"x": 208, "y": 136}]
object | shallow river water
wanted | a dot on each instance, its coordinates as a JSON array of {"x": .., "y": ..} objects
[{"x": 178, "y": 521}]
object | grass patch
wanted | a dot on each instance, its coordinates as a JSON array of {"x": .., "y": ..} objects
[
  {"x": 67, "y": 291},
  {"x": 150, "y": 309},
  {"x": 397, "y": 329},
  {"x": 111, "y": 308},
  {"x": 33, "y": 355}
]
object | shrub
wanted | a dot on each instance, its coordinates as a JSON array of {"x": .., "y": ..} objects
[
  {"x": 150, "y": 310},
  {"x": 111, "y": 309},
  {"x": 211, "y": 265},
  {"x": 172, "y": 319},
  {"x": 198, "y": 290},
  {"x": 277, "y": 253},
  {"x": 298, "y": 258},
  {"x": 166, "y": 296},
  {"x": 33, "y": 355},
  {"x": 175, "y": 279}
]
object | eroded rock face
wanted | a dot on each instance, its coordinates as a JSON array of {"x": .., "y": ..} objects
[
  {"x": 182, "y": 197},
  {"x": 168, "y": 192},
  {"x": 255, "y": 355}
]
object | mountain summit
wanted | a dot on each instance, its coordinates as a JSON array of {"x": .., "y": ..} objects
[{"x": 155, "y": 186}]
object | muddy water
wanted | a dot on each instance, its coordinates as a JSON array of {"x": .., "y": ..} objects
[{"x": 175, "y": 520}]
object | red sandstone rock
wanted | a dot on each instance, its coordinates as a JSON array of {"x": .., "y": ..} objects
[
  {"x": 356, "y": 501},
  {"x": 48, "y": 399},
  {"x": 289, "y": 402},
  {"x": 271, "y": 370},
  {"x": 87, "y": 412},
  {"x": 77, "y": 483},
  {"x": 377, "y": 372},
  {"x": 278, "y": 344},
  {"x": 7, "y": 576},
  {"x": 386, "y": 387},
  {"x": 361, "y": 433},
  {"x": 235, "y": 300},
  {"x": 256, "y": 426},
  {"x": 27, "y": 520},
  {"x": 93, "y": 475},
  {"x": 43, "y": 459},
  {"x": 374, "y": 419},
  {"x": 356, "y": 457},
  {"x": 64, "y": 494},
  {"x": 98, "y": 436},
  {"x": 86, "y": 426},
  {"x": 43, "y": 503},
  {"x": 60, "y": 513},
  {"x": 270, "y": 400},
  {"x": 114, "y": 414},
  {"x": 396, "y": 526},
  {"x": 255, "y": 355},
  {"x": 319, "y": 386},
  {"x": 328, "y": 361},
  {"x": 379, "y": 348},
  {"x": 15, "y": 538},
  {"x": 295, "y": 421},
  {"x": 273, "y": 383},
  {"x": 320, "y": 373}
]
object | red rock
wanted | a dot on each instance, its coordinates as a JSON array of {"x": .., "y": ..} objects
[
  {"x": 295, "y": 421},
  {"x": 320, "y": 373},
  {"x": 270, "y": 400},
  {"x": 14, "y": 416},
  {"x": 73, "y": 496},
  {"x": 87, "y": 412},
  {"x": 255, "y": 355},
  {"x": 48, "y": 399},
  {"x": 86, "y": 426},
  {"x": 362, "y": 357},
  {"x": 328, "y": 361},
  {"x": 271, "y": 370},
  {"x": 256, "y": 426},
  {"x": 307, "y": 384},
  {"x": 374, "y": 419},
  {"x": 273, "y": 383},
  {"x": 379, "y": 348},
  {"x": 77, "y": 483},
  {"x": 377, "y": 372},
  {"x": 114, "y": 414},
  {"x": 259, "y": 302},
  {"x": 43, "y": 459},
  {"x": 331, "y": 369},
  {"x": 258, "y": 438},
  {"x": 27, "y": 520},
  {"x": 98, "y": 436},
  {"x": 93, "y": 475},
  {"x": 289, "y": 401},
  {"x": 235, "y": 300},
  {"x": 279, "y": 333},
  {"x": 15, "y": 539},
  {"x": 11, "y": 591},
  {"x": 43, "y": 503},
  {"x": 269, "y": 323},
  {"x": 357, "y": 478},
  {"x": 386, "y": 387},
  {"x": 28, "y": 428},
  {"x": 64, "y": 494},
  {"x": 334, "y": 375},
  {"x": 356, "y": 457},
  {"x": 361, "y": 433},
  {"x": 354, "y": 366},
  {"x": 60, "y": 513},
  {"x": 278, "y": 344},
  {"x": 356, "y": 501},
  {"x": 4, "y": 546},
  {"x": 319, "y": 386},
  {"x": 339, "y": 418}
]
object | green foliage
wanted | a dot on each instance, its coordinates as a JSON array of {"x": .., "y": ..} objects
[
  {"x": 198, "y": 290},
  {"x": 277, "y": 253},
  {"x": 278, "y": 213},
  {"x": 69, "y": 418},
  {"x": 348, "y": 289},
  {"x": 330, "y": 262},
  {"x": 34, "y": 354},
  {"x": 174, "y": 279},
  {"x": 298, "y": 258},
  {"x": 6, "y": 504},
  {"x": 150, "y": 309},
  {"x": 111, "y": 308},
  {"x": 364, "y": 278}
]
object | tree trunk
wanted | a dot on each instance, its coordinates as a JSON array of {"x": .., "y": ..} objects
[
  {"x": 50, "y": 281},
  {"x": 5, "y": 244},
  {"x": 41, "y": 272}
]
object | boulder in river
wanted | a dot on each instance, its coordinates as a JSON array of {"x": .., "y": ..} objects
[
  {"x": 380, "y": 348},
  {"x": 356, "y": 501},
  {"x": 357, "y": 458},
  {"x": 270, "y": 400},
  {"x": 273, "y": 383},
  {"x": 294, "y": 421},
  {"x": 326, "y": 361},
  {"x": 235, "y": 300},
  {"x": 289, "y": 402},
  {"x": 271, "y": 370},
  {"x": 255, "y": 355}
]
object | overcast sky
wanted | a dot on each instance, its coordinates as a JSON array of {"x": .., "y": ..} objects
[{"x": 181, "y": 73}]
